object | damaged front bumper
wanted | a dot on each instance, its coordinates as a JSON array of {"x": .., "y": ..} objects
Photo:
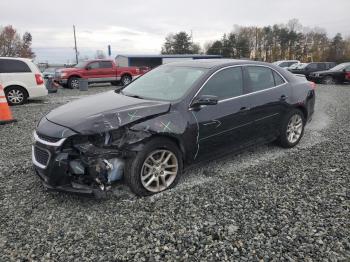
[{"x": 80, "y": 169}]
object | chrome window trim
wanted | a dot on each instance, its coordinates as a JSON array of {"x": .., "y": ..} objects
[
  {"x": 35, "y": 162},
  {"x": 56, "y": 144},
  {"x": 231, "y": 98}
]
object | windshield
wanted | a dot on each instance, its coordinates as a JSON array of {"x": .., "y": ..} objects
[
  {"x": 303, "y": 65},
  {"x": 164, "y": 83},
  {"x": 338, "y": 67},
  {"x": 80, "y": 64}
]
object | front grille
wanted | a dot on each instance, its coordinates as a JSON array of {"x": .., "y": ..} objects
[
  {"x": 48, "y": 138},
  {"x": 41, "y": 156}
]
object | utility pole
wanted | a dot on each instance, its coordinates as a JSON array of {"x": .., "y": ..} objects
[{"x": 75, "y": 45}]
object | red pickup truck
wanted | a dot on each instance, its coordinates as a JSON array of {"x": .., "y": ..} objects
[{"x": 97, "y": 71}]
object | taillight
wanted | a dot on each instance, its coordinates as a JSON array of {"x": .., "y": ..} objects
[
  {"x": 312, "y": 84},
  {"x": 39, "y": 79}
]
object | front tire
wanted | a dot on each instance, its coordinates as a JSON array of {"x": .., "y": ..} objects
[
  {"x": 16, "y": 95},
  {"x": 292, "y": 129},
  {"x": 154, "y": 169}
]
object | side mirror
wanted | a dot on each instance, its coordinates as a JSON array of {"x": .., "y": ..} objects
[
  {"x": 204, "y": 100},
  {"x": 88, "y": 67}
]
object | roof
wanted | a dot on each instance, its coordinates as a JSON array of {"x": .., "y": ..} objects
[
  {"x": 211, "y": 63},
  {"x": 16, "y": 58},
  {"x": 170, "y": 56}
]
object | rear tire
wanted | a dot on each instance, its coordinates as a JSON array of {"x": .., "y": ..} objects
[
  {"x": 126, "y": 79},
  {"x": 136, "y": 168},
  {"x": 73, "y": 83},
  {"x": 292, "y": 129},
  {"x": 16, "y": 95},
  {"x": 328, "y": 80}
]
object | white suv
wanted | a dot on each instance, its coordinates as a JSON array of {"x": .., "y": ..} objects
[{"x": 21, "y": 80}]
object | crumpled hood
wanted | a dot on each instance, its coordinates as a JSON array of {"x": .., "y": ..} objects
[{"x": 105, "y": 111}]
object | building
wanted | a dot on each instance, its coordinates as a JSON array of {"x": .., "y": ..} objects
[{"x": 156, "y": 60}]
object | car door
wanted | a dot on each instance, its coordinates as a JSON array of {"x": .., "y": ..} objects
[
  {"x": 92, "y": 71},
  {"x": 267, "y": 94},
  {"x": 107, "y": 71},
  {"x": 222, "y": 126}
]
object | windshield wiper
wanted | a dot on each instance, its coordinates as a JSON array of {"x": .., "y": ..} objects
[{"x": 130, "y": 95}]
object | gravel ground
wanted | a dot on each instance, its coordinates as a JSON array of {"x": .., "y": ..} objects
[{"x": 265, "y": 204}]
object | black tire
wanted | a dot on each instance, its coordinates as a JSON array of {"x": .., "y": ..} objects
[
  {"x": 283, "y": 140},
  {"x": 126, "y": 79},
  {"x": 328, "y": 80},
  {"x": 134, "y": 166},
  {"x": 16, "y": 95},
  {"x": 73, "y": 83}
]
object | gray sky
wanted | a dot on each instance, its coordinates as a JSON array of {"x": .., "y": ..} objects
[{"x": 140, "y": 26}]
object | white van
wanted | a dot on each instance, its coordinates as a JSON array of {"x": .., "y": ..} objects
[{"x": 21, "y": 79}]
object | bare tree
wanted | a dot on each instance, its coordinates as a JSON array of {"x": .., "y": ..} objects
[{"x": 11, "y": 44}]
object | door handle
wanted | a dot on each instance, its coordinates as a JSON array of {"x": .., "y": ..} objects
[
  {"x": 244, "y": 108},
  {"x": 283, "y": 97}
]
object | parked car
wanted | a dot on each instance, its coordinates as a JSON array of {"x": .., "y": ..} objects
[
  {"x": 21, "y": 80},
  {"x": 49, "y": 72},
  {"x": 174, "y": 116},
  {"x": 309, "y": 68},
  {"x": 96, "y": 71},
  {"x": 286, "y": 63},
  {"x": 295, "y": 66},
  {"x": 338, "y": 74}
]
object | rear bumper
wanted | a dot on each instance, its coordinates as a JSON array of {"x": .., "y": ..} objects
[{"x": 37, "y": 91}]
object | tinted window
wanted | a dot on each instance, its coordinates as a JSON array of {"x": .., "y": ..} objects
[
  {"x": 259, "y": 78},
  {"x": 94, "y": 65},
  {"x": 106, "y": 64},
  {"x": 312, "y": 66},
  {"x": 284, "y": 64},
  {"x": 278, "y": 79},
  {"x": 321, "y": 66},
  {"x": 13, "y": 66},
  {"x": 226, "y": 83}
]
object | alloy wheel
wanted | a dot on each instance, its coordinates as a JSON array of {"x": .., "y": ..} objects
[
  {"x": 294, "y": 128},
  {"x": 159, "y": 170},
  {"x": 75, "y": 83},
  {"x": 15, "y": 96}
]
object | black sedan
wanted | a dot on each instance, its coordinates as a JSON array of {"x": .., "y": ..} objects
[
  {"x": 172, "y": 117},
  {"x": 309, "y": 68},
  {"x": 336, "y": 75}
]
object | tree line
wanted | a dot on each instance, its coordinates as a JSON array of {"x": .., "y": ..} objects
[
  {"x": 269, "y": 43},
  {"x": 13, "y": 44}
]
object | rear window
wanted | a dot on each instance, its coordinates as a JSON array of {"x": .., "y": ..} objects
[
  {"x": 106, "y": 64},
  {"x": 278, "y": 79},
  {"x": 13, "y": 66}
]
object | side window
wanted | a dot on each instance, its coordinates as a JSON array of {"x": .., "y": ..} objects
[
  {"x": 347, "y": 69},
  {"x": 278, "y": 79},
  {"x": 259, "y": 78},
  {"x": 311, "y": 66},
  {"x": 321, "y": 66},
  {"x": 13, "y": 66},
  {"x": 284, "y": 64},
  {"x": 94, "y": 65},
  {"x": 106, "y": 64},
  {"x": 225, "y": 84}
]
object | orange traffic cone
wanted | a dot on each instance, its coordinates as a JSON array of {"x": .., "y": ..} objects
[{"x": 5, "y": 112}]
